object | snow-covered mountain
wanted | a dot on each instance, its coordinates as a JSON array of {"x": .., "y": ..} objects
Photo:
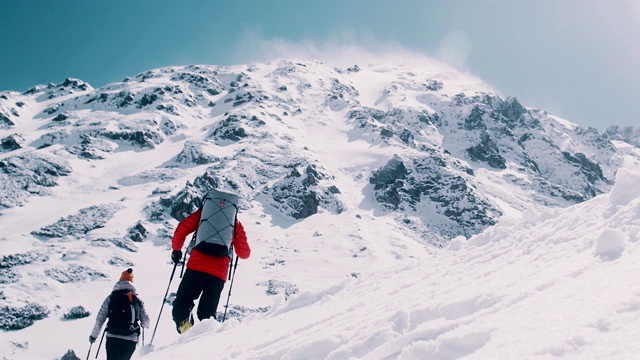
[{"x": 340, "y": 171}]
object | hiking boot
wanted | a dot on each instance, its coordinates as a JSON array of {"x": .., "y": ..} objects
[{"x": 184, "y": 326}]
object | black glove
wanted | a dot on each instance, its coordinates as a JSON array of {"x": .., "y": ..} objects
[
  {"x": 92, "y": 339},
  {"x": 176, "y": 256}
]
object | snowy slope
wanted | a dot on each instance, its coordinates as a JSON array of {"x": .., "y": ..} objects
[
  {"x": 559, "y": 283},
  {"x": 355, "y": 182}
]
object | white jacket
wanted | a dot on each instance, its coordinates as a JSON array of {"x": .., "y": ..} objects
[{"x": 104, "y": 312}]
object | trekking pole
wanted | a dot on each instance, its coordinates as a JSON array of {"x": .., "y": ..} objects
[
  {"x": 175, "y": 265},
  {"x": 89, "y": 353},
  {"x": 100, "y": 344},
  {"x": 235, "y": 266}
]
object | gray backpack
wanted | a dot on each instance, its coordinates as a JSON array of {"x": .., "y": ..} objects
[{"x": 217, "y": 224}]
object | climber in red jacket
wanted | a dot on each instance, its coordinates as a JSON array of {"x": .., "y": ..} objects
[{"x": 205, "y": 275}]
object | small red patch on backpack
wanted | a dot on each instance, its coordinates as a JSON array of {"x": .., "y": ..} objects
[{"x": 221, "y": 203}]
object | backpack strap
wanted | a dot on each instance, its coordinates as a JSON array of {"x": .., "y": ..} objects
[{"x": 134, "y": 315}]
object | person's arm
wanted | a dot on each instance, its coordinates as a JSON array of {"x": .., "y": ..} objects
[
  {"x": 101, "y": 318},
  {"x": 185, "y": 227},
  {"x": 144, "y": 317},
  {"x": 240, "y": 244}
]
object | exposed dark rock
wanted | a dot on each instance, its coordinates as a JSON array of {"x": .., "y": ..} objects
[
  {"x": 511, "y": 109},
  {"x": 27, "y": 174},
  {"x": 75, "y": 84},
  {"x": 389, "y": 174},
  {"x": 474, "y": 121},
  {"x": 229, "y": 129},
  {"x": 300, "y": 195},
  {"x": 434, "y": 85},
  {"x": 141, "y": 138},
  {"x": 430, "y": 182},
  {"x": 70, "y": 355},
  {"x": 386, "y": 133},
  {"x": 242, "y": 98},
  {"x": 313, "y": 176},
  {"x": 168, "y": 108},
  {"x": 628, "y": 134},
  {"x": 5, "y": 122},
  {"x": 138, "y": 233},
  {"x": 60, "y": 117},
  {"x": 147, "y": 99},
  {"x": 52, "y": 109},
  {"x": 85, "y": 220},
  {"x": 591, "y": 170},
  {"x": 102, "y": 98},
  {"x": 487, "y": 151},
  {"x": 188, "y": 200},
  {"x": 11, "y": 142},
  {"x": 193, "y": 153},
  {"x": 354, "y": 69},
  {"x": 124, "y": 99},
  {"x": 301, "y": 202}
]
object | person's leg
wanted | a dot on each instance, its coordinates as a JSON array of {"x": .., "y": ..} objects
[
  {"x": 210, "y": 298},
  {"x": 188, "y": 291},
  {"x": 127, "y": 349},
  {"x": 113, "y": 348}
]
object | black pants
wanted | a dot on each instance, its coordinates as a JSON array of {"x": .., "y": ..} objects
[
  {"x": 193, "y": 284},
  {"x": 119, "y": 349}
]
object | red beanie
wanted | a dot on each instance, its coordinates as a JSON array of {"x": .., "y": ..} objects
[{"x": 127, "y": 275}]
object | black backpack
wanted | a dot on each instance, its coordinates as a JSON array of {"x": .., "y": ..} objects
[{"x": 123, "y": 319}]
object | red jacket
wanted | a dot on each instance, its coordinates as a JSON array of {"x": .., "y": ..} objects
[{"x": 214, "y": 265}]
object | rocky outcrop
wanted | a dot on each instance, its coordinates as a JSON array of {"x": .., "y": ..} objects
[
  {"x": 87, "y": 219},
  {"x": 11, "y": 142},
  {"x": 29, "y": 174},
  {"x": 428, "y": 182},
  {"x": 299, "y": 195},
  {"x": 628, "y": 134}
]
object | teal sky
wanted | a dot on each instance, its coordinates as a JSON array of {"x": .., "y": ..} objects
[{"x": 579, "y": 59}]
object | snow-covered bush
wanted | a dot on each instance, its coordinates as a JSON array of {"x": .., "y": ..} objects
[
  {"x": 76, "y": 312},
  {"x": 275, "y": 287},
  {"x": 73, "y": 273},
  {"x": 238, "y": 312},
  {"x": 123, "y": 243},
  {"x": 8, "y": 276},
  {"x": 12, "y": 260},
  {"x": 14, "y": 318}
]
